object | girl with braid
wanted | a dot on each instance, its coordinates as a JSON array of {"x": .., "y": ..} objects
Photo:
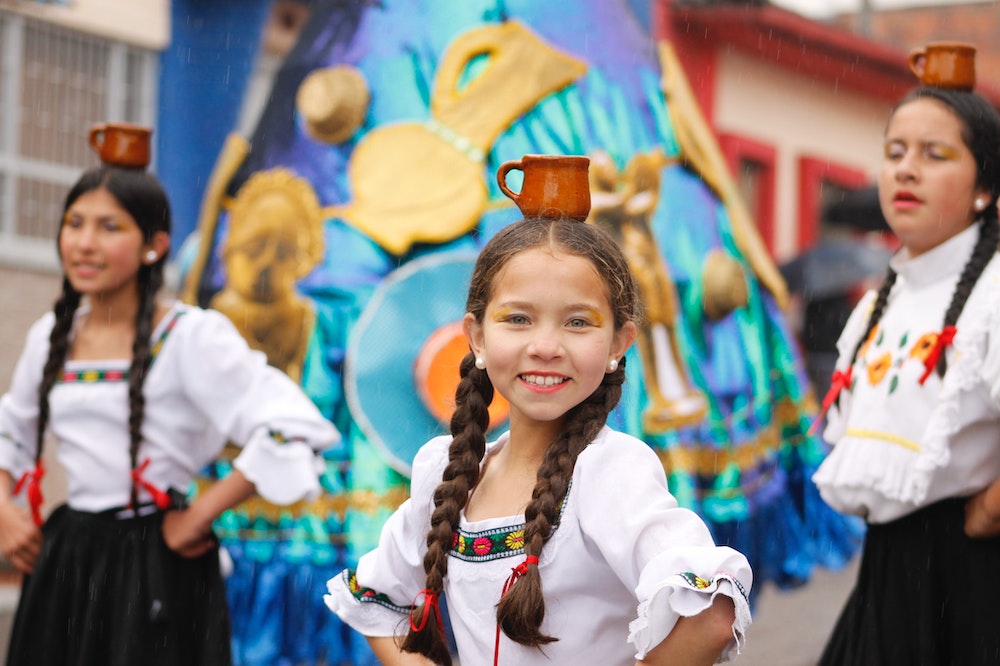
[
  {"x": 915, "y": 415},
  {"x": 138, "y": 394},
  {"x": 559, "y": 542}
]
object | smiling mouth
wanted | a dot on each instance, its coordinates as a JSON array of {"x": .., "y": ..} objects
[{"x": 543, "y": 380}]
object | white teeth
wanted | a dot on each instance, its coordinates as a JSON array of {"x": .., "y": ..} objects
[{"x": 547, "y": 380}]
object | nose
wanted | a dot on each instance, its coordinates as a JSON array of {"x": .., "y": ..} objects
[
  {"x": 905, "y": 168},
  {"x": 546, "y": 343}
]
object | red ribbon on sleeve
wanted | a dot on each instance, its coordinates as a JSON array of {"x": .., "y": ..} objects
[
  {"x": 160, "y": 498},
  {"x": 31, "y": 481},
  {"x": 944, "y": 338},
  {"x": 840, "y": 380}
]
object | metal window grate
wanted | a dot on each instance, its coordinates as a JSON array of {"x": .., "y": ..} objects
[{"x": 54, "y": 83}]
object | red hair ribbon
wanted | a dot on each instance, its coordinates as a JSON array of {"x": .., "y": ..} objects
[
  {"x": 32, "y": 482},
  {"x": 430, "y": 601},
  {"x": 944, "y": 338},
  {"x": 160, "y": 498},
  {"x": 840, "y": 380},
  {"x": 515, "y": 573}
]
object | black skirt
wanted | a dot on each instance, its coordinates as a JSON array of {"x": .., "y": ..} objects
[
  {"x": 926, "y": 595},
  {"x": 108, "y": 592}
]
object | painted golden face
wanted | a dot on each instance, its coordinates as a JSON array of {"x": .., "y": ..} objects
[{"x": 262, "y": 253}]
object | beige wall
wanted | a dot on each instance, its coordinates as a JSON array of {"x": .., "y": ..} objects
[
  {"x": 799, "y": 118},
  {"x": 143, "y": 23}
]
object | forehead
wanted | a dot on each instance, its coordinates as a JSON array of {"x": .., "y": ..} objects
[
  {"x": 926, "y": 119},
  {"x": 549, "y": 274},
  {"x": 98, "y": 202}
]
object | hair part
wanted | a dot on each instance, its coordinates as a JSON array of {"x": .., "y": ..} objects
[
  {"x": 142, "y": 196},
  {"x": 522, "y": 609}
]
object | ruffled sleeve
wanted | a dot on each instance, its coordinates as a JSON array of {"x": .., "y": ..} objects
[
  {"x": 663, "y": 552},
  {"x": 376, "y": 598},
  {"x": 253, "y": 405},
  {"x": 19, "y": 406}
]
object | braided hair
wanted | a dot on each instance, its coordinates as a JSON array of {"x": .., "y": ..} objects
[
  {"x": 981, "y": 134},
  {"x": 142, "y": 196},
  {"x": 522, "y": 609}
]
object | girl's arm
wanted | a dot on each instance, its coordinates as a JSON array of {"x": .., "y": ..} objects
[
  {"x": 188, "y": 532},
  {"x": 696, "y": 640},
  {"x": 20, "y": 539},
  {"x": 389, "y": 654},
  {"x": 982, "y": 513}
]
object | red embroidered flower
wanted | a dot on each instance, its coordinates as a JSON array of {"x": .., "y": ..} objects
[{"x": 482, "y": 546}]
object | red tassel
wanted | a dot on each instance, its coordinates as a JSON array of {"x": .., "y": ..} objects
[
  {"x": 839, "y": 381},
  {"x": 945, "y": 338},
  {"x": 160, "y": 498},
  {"x": 515, "y": 573},
  {"x": 32, "y": 481}
]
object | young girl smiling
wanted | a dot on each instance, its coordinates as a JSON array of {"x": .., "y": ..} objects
[{"x": 559, "y": 542}]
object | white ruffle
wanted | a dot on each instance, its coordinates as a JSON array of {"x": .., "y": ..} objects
[
  {"x": 668, "y": 595},
  {"x": 964, "y": 374},
  {"x": 282, "y": 472}
]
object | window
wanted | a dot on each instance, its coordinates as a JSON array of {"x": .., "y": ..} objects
[
  {"x": 752, "y": 163},
  {"x": 54, "y": 83},
  {"x": 821, "y": 182}
]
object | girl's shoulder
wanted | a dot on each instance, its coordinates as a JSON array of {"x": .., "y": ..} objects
[{"x": 614, "y": 450}]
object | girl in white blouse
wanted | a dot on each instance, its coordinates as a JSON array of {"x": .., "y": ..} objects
[
  {"x": 916, "y": 422},
  {"x": 138, "y": 394},
  {"x": 559, "y": 543}
]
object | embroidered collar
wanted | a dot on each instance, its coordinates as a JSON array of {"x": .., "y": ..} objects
[{"x": 932, "y": 266}]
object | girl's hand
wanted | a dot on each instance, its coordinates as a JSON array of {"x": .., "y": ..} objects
[
  {"x": 20, "y": 539},
  {"x": 980, "y": 523},
  {"x": 187, "y": 535}
]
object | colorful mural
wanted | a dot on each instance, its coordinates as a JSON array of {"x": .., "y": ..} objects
[{"x": 387, "y": 124}]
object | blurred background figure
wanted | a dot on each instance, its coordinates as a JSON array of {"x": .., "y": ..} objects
[{"x": 827, "y": 280}]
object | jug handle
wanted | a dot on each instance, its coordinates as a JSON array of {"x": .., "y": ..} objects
[
  {"x": 502, "y": 172},
  {"x": 475, "y": 43}
]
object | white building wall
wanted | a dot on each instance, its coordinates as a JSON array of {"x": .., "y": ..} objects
[
  {"x": 144, "y": 23},
  {"x": 799, "y": 118}
]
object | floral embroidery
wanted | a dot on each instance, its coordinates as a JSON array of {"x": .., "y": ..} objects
[
  {"x": 94, "y": 375},
  {"x": 699, "y": 583},
  {"x": 368, "y": 595},
  {"x": 877, "y": 370},
  {"x": 922, "y": 348},
  {"x": 696, "y": 582}
]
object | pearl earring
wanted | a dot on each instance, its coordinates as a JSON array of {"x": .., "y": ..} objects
[
  {"x": 980, "y": 204},
  {"x": 151, "y": 256},
  {"x": 480, "y": 362},
  {"x": 612, "y": 365}
]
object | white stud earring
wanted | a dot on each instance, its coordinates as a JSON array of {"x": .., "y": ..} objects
[
  {"x": 981, "y": 204},
  {"x": 612, "y": 365},
  {"x": 151, "y": 256},
  {"x": 480, "y": 362}
]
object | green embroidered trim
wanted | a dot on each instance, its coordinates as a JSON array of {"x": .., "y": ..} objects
[
  {"x": 91, "y": 376},
  {"x": 495, "y": 543},
  {"x": 368, "y": 595}
]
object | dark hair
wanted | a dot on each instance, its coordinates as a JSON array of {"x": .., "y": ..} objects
[
  {"x": 522, "y": 608},
  {"x": 981, "y": 134},
  {"x": 141, "y": 195}
]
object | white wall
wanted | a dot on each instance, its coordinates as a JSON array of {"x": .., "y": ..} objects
[
  {"x": 799, "y": 117},
  {"x": 143, "y": 23}
]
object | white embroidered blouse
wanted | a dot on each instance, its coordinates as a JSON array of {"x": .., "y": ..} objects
[
  {"x": 900, "y": 445},
  {"x": 622, "y": 566},
  {"x": 205, "y": 386}
]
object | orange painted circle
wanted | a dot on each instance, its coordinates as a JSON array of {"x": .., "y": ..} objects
[{"x": 436, "y": 374}]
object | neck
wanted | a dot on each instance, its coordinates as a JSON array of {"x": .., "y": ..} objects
[{"x": 112, "y": 311}]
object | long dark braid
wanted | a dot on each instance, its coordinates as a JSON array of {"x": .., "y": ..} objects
[
  {"x": 522, "y": 609},
  {"x": 142, "y": 196},
  {"x": 65, "y": 311}
]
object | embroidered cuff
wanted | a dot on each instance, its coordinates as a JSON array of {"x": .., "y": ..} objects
[{"x": 366, "y": 611}]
